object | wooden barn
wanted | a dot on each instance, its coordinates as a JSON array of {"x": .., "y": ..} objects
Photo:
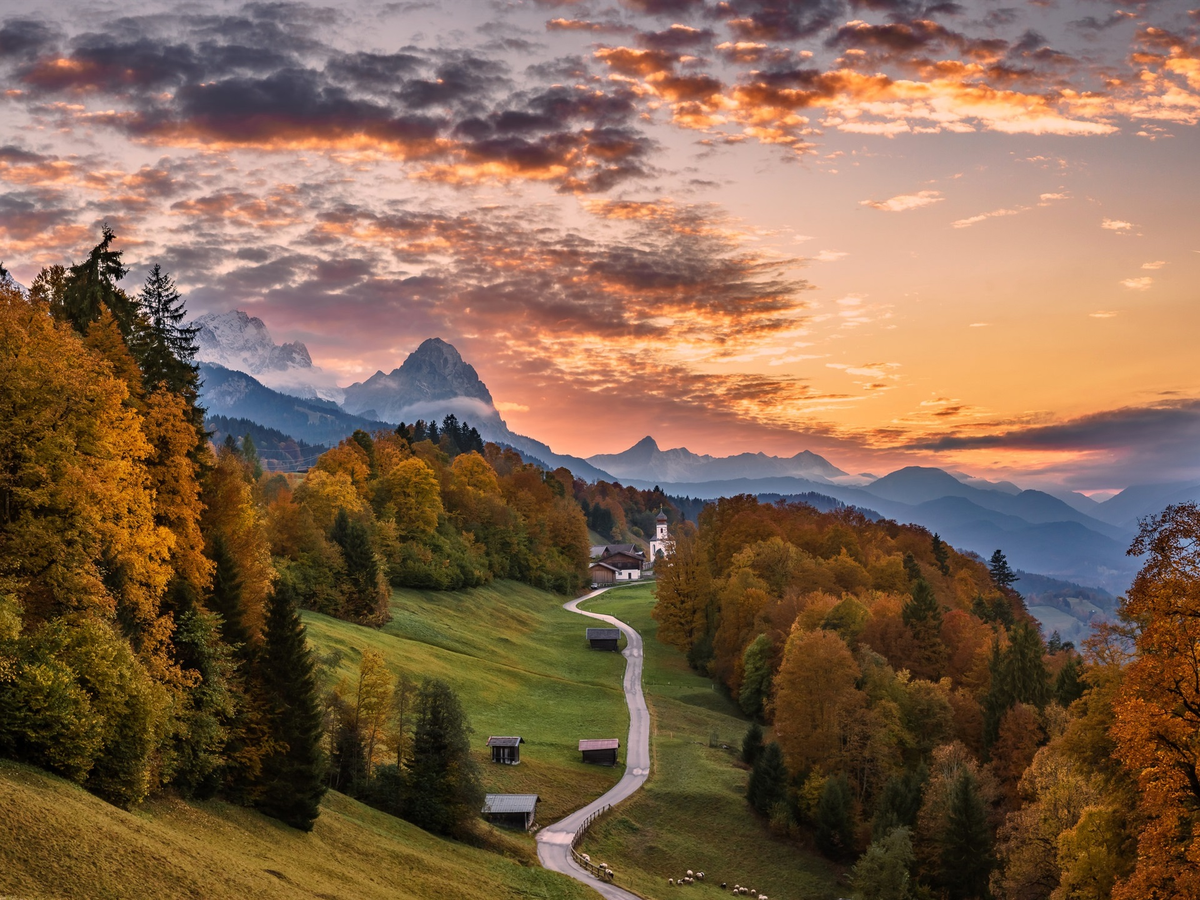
[
  {"x": 506, "y": 750},
  {"x": 601, "y": 752},
  {"x": 511, "y": 810},
  {"x": 604, "y": 638}
]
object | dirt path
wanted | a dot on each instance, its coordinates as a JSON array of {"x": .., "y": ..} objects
[{"x": 554, "y": 841}]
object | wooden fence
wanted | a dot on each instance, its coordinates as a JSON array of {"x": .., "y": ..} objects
[{"x": 604, "y": 874}]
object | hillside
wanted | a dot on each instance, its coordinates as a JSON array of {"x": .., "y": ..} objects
[
  {"x": 520, "y": 665},
  {"x": 62, "y": 842},
  {"x": 694, "y": 787}
]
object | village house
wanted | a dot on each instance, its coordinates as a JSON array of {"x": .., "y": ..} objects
[{"x": 612, "y": 563}]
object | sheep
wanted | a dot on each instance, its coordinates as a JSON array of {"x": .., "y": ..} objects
[
  {"x": 690, "y": 873},
  {"x": 586, "y": 858},
  {"x": 699, "y": 876},
  {"x": 722, "y": 885},
  {"x": 671, "y": 882}
]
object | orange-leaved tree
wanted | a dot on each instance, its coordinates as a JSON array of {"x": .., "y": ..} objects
[{"x": 1157, "y": 715}]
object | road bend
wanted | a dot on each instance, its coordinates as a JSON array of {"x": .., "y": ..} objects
[{"x": 554, "y": 841}]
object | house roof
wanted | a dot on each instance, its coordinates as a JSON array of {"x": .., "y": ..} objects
[
  {"x": 604, "y": 565},
  {"x": 604, "y": 634},
  {"x": 599, "y": 551},
  {"x": 505, "y": 741},
  {"x": 510, "y": 803},
  {"x": 600, "y": 744}
]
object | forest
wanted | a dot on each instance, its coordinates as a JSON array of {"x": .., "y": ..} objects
[
  {"x": 151, "y": 577},
  {"x": 921, "y": 729}
]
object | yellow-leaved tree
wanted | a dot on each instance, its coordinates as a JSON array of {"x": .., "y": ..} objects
[{"x": 1157, "y": 715}]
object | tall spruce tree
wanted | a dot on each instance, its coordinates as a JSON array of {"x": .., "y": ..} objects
[
  {"x": 835, "y": 818},
  {"x": 923, "y": 615},
  {"x": 752, "y": 744},
  {"x": 966, "y": 843},
  {"x": 292, "y": 780},
  {"x": 1018, "y": 675},
  {"x": 443, "y": 791},
  {"x": 768, "y": 780},
  {"x": 940, "y": 554},
  {"x": 166, "y": 347},
  {"x": 362, "y": 569},
  {"x": 1001, "y": 573},
  {"x": 225, "y": 598},
  {"x": 91, "y": 286}
]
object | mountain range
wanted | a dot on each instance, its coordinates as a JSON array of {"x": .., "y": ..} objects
[{"x": 1063, "y": 535}]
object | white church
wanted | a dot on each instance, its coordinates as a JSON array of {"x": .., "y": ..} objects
[{"x": 662, "y": 543}]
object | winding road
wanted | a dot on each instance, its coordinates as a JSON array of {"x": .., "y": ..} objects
[{"x": 554, "y": 841}]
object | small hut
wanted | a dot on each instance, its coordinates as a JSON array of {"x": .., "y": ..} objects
[
  {"x": 604, "y": 638},
  {"x": 511, "y": 810},
  {"x": 600, "y": 752},
  {"x": 506, "y": 750}
]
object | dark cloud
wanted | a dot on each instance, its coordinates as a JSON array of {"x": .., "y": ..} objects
[
  {"x": 665, "y": 7},
  {"x": 676, "y": 38},
  {"x": 901, "y": 10},
  {"x": 24, "y": 38},
  {"x": 901, "y": 40},
  {"x": 455, "y": 111},
  {"x": 1153, "y": 443},
  {"x": 1091, "y": 23},
  {"x": 779, "y": 20}
]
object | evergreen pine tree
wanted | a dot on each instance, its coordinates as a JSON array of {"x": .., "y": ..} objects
[
  {"x": 966, "y": 844},
  {"x": 250, "y": 454},
  {"x": 443, "y": 790},
  {"x": 292, "y": 781},
  {"x": 923, "y": 615},
  {"x": 752, "y": 744},
  {"x": 1069, "y": 685},
  {"x": 899, "y": 803},
  {"x": 362, "y": 569},
  {"x": 91, "y": 286},
  {"x": 911, "y": 568},
  {"x": 940, "y": 554},
  {"x": 1002, "y": 575},
  {"x": 225, "y": 598},
  {"x": 166, "y": 347},
  {"x": 1018, "y": 675},
  {"x": 835, "y": 818},
  {"x": 768, "y": 780}
]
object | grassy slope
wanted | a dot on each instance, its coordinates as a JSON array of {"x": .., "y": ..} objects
[
  {"x": 693, "y": 813},
  {"x": 58, "y": 841},
  {"x": 521, "y": 665}
]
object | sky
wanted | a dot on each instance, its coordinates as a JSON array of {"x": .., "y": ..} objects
[{"x": 891, "y": 232}]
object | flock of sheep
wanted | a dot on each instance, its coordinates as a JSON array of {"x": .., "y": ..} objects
[{"x": 692, "y": 877}]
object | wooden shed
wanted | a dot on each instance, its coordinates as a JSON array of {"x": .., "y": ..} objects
[
  {"x": 602, "y": 573},
  {"x": 511, "y": 810},
  {"x": 601, "y": 752},
  {"x": 604, "y": 638},
  {"x": 506, "y": 750}
]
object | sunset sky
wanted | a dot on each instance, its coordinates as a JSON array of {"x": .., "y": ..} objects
[{"x": 891, "y": 232}]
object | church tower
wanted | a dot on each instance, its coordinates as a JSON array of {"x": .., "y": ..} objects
[{"x": 662, "y": 543}]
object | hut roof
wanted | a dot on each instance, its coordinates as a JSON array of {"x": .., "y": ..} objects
[
  {"x": 603, "y": 565},
  {"x": 600, "y": 744},
  {"x": 505, "y": 741},
  {"x": 510, "y": 803},
  {"x": 604, "y": 634}
]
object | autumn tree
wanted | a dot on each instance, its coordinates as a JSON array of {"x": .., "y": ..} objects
[
  {"x": 685, "y": 594},
  {"x": 815, "y": 695},
  {"x": 882, "y": 873},
  {"x": 1157, "y": 716}
]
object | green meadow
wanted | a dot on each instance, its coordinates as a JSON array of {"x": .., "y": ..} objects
[
  {"x": 520, "y": 665},
  {"x": 58, "y": 841},
  {"x": 692, "y": 813}
]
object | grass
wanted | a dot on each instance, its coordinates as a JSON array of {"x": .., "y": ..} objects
[
  {"x": 520, "y": 665},
  {"x": 58, "y": 841},
  {"x": 692, "y": 813}
]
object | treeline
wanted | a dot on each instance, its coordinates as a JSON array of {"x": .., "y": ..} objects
[
  {"x": 919, "y": 723},
  {"x": 619, "y": 513},
  {"x": 399, "y": 508},
  {"x": 145, "y": 641},
  {"x": 276, "y": 451}
]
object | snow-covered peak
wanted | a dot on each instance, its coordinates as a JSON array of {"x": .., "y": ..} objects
[{"x": 239, "y": 341}]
